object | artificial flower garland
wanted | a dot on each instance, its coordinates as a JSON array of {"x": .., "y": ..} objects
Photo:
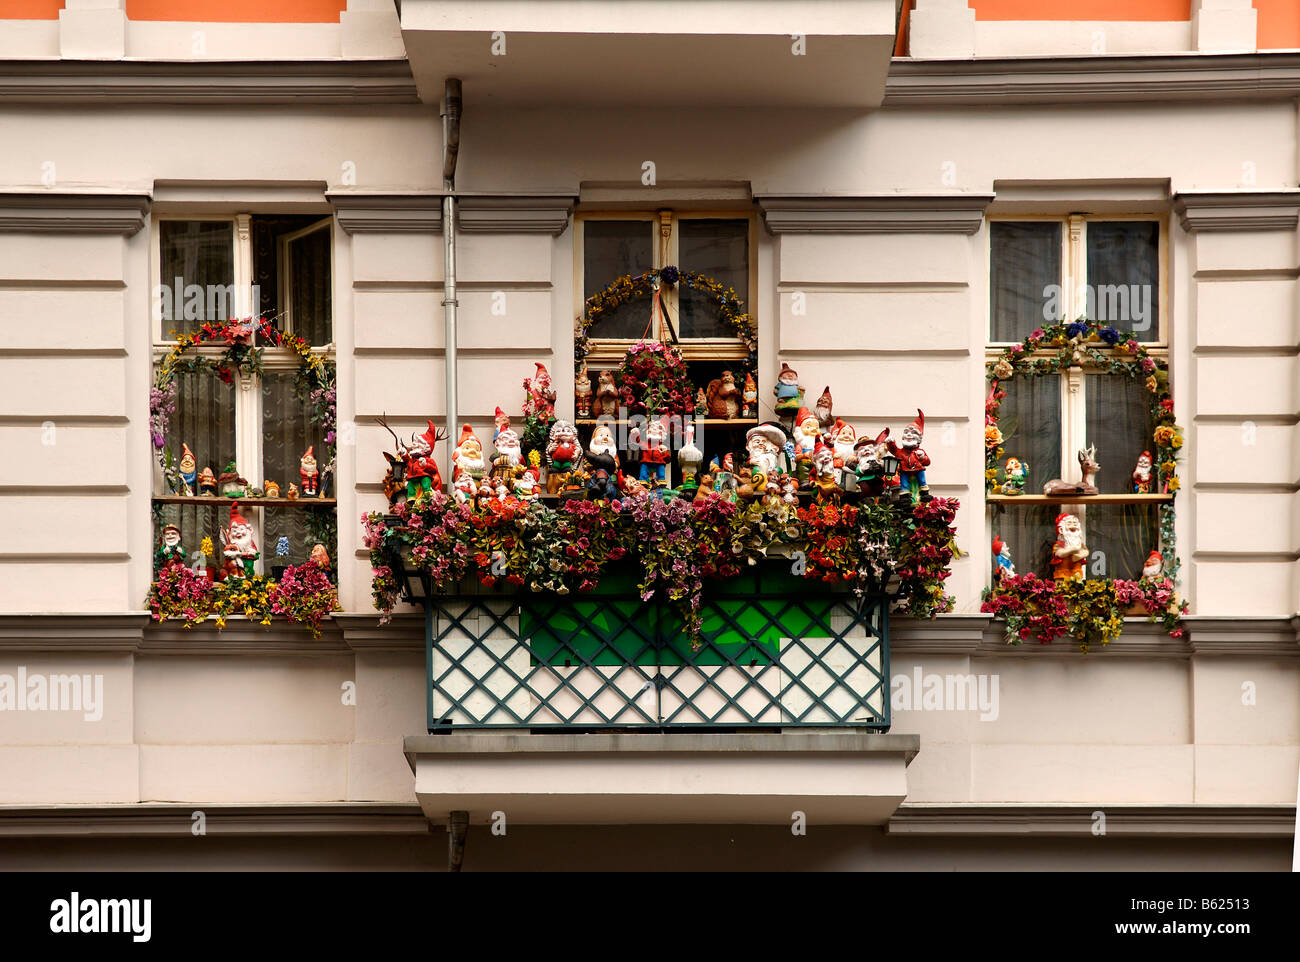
[
  {"x": 304, "y": 595},
  {"x": 652, "y": 380}
]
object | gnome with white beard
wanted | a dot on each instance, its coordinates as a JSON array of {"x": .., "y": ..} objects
[{"x": 240, "y": 547}]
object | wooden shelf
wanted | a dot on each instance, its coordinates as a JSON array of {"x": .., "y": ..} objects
[
  {"x": 698, "y": 422},
  {"x": 245, "y": 502},
  {"x": 1078, "y": 498}
]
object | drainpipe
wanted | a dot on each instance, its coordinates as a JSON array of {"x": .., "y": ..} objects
[{"x": 450, "y": 148}]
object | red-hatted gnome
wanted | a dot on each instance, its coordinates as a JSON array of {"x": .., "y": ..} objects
[
  {"x": 912, "y": 459},
  {"x": 239, "y": 546},
  {"x": 824, "y": 474},
  {"x": 1002, "y": 558},
  {"x": 807, "y": 433},
  {"x": 422, "y": 476},
  {"x": 467, "y": 458},
  {"x": 308, "y": 473},
  {"x": 655, "y": 454},
  {"x": 843, "y": 441},
  {"x": 501, "y": 423},
  {"x": 170, "y": 554},
  {"x": 824, "y": 410},
  {"x": 1155, "y": 565},
  {"x": 1068, "y": 552},
  {"x": 1142, "y": 474}
]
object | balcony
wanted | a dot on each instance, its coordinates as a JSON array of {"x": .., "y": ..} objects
[{"x": 708, "y": 53}]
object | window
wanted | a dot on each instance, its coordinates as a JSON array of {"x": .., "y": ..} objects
[
  {"x": 1051, "y": 270},
  {"x": 212, "y": 270}
]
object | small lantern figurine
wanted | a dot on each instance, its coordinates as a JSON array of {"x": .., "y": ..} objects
[
  {"x": 1002, "y": 558},
  {"x": 749, "y": 398},
  {"x": 308, "y": 474},
  {"x": 582, "y": 393},
  {"x": 1068, "y": 551},
  {"x": 1142, "y": 474},
  {"x": 1015, "y": 480},
  {"x": 293, "y": 492},
  {"x": 239, "y": 544},
  {"x": 187, "y": 469},
  {"x": 1155, "y": 566},
  {"x": 272, "y": 489},
  {"x": 656, "y": 454},
  {"x": 788, "y": 391},
  {"x": 912, "y": 459},
  {"x": 170, "y": 554},
  {"x": 207, "y": 483}
]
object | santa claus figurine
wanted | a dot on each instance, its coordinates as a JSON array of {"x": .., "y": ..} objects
[
  {"x": 308, "y": 473},
  {"x": 467, "y": 458},
  {"x": 1155, "y": 565},
  {"x": 1142, "y": 474},
  {"x": 422, "y": 475},
  {"x": 843, "y": 440},
  {"x": 239, "y": 545},
  {"x": 1068, "y": 552},
  {"x": 912, "y": 459}
]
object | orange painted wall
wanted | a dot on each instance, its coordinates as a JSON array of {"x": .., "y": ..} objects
[
  {"x": 30, "y": 9},
  {"x": 237, "y": 11},
  {"x": 1277, "y": 25},
  {"x": 1083, "y": 9}
]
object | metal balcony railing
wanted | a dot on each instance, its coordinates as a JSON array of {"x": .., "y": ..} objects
[{"x": 766, "y": 659}]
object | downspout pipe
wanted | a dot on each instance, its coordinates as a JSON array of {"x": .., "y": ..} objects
[{"x": 451, "y": 106}]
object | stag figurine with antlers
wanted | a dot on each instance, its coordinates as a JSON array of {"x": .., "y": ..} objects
[{"x": 1088, "y": 466}]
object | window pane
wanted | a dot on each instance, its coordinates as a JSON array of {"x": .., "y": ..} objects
[
  {"x": 1119, "y": 424},
  {"x": 1124, "y": 276},
  {"x": 202, "y": 253},
  {"x": 1025, "y": 261},
  {"x": 1030, "y": 421},
  {"x": 1029, "y": 529},
  {"x": 287, "y": 432},
  {"x": 1124, "y": 533},
  {"x": 205, "y": 420},
  {"x": 612, "y": 248},
  {"x": 309, "y": 286},
  {"x": 718, "y": 249},
  {"x": 303, "y": 529}
]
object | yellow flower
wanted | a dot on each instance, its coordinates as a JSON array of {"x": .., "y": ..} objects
[
  {"x": 1172, "y": 484},
  {"x": 991, "y": 473},
  {"x": 1151, "y": 384},
  {"x": 1164, "y": 435},
  {"x": 1167, "y": 467},
  {"x": 221, "y": 622},
  {"x": 992, "y": 436},
  {"x": 1177, "y": 442},
  {"x": 206, "y": 545}
]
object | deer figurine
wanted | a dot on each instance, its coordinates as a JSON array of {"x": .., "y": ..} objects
[{"x": 1088, "y": 466}]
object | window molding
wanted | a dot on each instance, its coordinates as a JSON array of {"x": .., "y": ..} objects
[
  {"x": 69, "y": 212},
  {"x": 874, "y": 214},
  {"x": 1238, "y": 210}
]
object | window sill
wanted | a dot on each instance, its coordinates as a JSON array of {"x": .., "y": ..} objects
[{"x": 1079, "y": 498}]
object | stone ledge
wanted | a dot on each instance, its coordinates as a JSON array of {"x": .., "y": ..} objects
[
  {"x": 162, "y": 820},
  {"x": 69, "y": 212},
  {"x": 523, "y": 214},
  {"x": 400, "y": 212},
  {"x": 1268, "y": 637},
  {"x": 1177, "y": 821},
  {"x": 1238, "y": 210},
  {"x": 875, "y": 214}
]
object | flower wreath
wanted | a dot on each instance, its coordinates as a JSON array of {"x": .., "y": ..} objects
[{"x": 731, "y": 309}]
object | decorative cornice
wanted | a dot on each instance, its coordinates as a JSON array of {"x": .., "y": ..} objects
[
  {"x": 367, "y": 213},
  {"x": 1238, "y": 210},
  {"x": 1266, "y": 637},
  {"x": 877, "y": 214},
  {"x": 164, "y": 820},
  {"x": 261, "y": 83},
  {"x": 945, "y": 635},
  {"x": 405, "y": 633},
  {"x": 89, "y": 632},
  {"x": 65, "y": 212},
  {"x": 498, "y": 214},
  {"x": 1169, "y": 821},
  {"x": 1092, "y": 80}
]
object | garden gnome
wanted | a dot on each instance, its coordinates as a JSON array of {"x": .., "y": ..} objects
[
  {"x": 272, "y": 489},
  {"x": 582, "y": 393},
  {"x": 749, "y": 398},
  {"x": 1142, "y": 474},
  {"x": 526, "y": 486},
  {"x": 1155, "y": 565},
  {"x": 656, "y": 454},
  {"x": 844, "y": 440},
  {"x": 1015, "y": 481},
  {"x": 563, "y": 454},
  {"x": 188, "y": 469},
  {"x": 422, "y": 475},
  {"x": 509, "y": 452},
  {"x": 502, "y": 422},
  {"x": 823, "y": 472},
  {"x": 321, "y": 557},
  {"x": 541, "y": 396},
  {"x": 912, "y": 459},
  {"x": 763, "y": 445},
  {"x": 1002, "y": 558},
  {"x": 308, "y": 474},
  {"x": 689, "y": 458},
  {"x": 293, "y": 492},
  {"x": 807, "y": 432},
  {"x": 823, "y": 411},
  {"x": 240, "y": 546},
  {"x": 788, "y": 391},
  {"x": 701, "y": 404},
  {"x": 602, "y": 452},
  {"x": 869, "y": 464},
  {"x": 606, "y": 395},
  {"x": 1068, "y": 552},
  {"x": 467, "y": 458},
  {"x": 170, "y": 554},
  {"x": 207, "y": 482},
  {"x": 464, "y": 489}
]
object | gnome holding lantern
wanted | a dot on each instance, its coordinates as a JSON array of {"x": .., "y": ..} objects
[
  {"x": 869, "y": 464},
  {"x": 1068, "y": 551},
  {"x": 170, "y": 554},
  {"x": 912, "y": 459},
  {"x": 239, "y": 545},
  {"x": 788, "y": 391},
  {"x": 308, "y": 474},
  {"x": 1142, "y": 474},
  {"x": 467, "y": 458}
]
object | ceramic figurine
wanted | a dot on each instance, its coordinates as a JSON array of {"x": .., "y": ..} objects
[
  {"x": 467, "y": 456},
  {"x": 723, "y": 397},
  {"x": 689, "y": 458},
  {"x": 1142, "y": 474},
  {"x": 789, "y": 490},
  {"x": 602, "y": 451},
  {"x": 606, "y": 396},
  {"x": 207, "y": 483},
  {"x": 582, "y": 393},
  {"x": 869, "y": 464},
  {"x": 823, "y": 473},
  {"x": 1088, "y": 466},
  {"x": 509, "y": 454},
  {"x": 170, "y": 554},
  {"x": 188, "y": 470},
  {"x": 1015, "y": 479},
  {"x": 750, "y": 484},
  {"x": 238, "y": 541},
  {"x": 1154, "y": 566},
  {"x": 843, "y": 441},
  {"x": 633, "y": 445},
  {"x": 563, "y": 454},
  {"x": 308, "y": 474},
  {"x": 1069, "y": 553},
  {"x": 656, "y": 454},
  {"x": 726, "y": 484},
  {"x": 701, "y": 404},
  {"x": 822, "y": 409},
  {"x": 293, "y": 492},
  {"x": 541, "y": 396},
  {"x": 912, "y": 459},
  {"x": 601, "y": 485},
  {"x": 421, "y": 470},
  {"x": 229, "y": 483},
  {"x": 749, "y": 398},
  {"x": 807, "y": 432},
  {"x": 501, "y": 422},
  {"x": 464, "y": 489},
  {"x": 395, "y": 476},
  {"x": 321, "y": 557},
  {"x": 788, "y": 391},
  {"x": 1002, "y": 558},
  {"x": 764, "y": 444},
  {"x": 526, "y": 486},
  {"x": 272, "y": 489}
]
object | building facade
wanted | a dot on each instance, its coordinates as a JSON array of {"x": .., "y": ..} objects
[{"x": 902, "y": 195}]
